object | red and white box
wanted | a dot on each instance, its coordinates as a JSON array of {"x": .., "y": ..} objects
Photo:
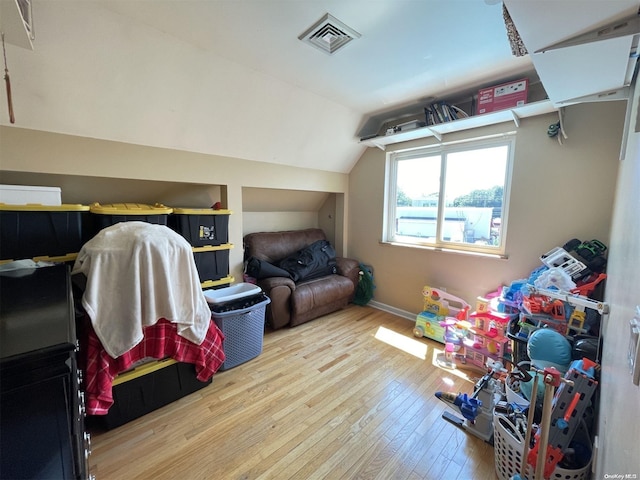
[{"x": 500, "y": 97}]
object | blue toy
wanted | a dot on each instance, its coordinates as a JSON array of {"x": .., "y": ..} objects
[
  {"x": 548, "y": 348},
  {"x": 469, "y": 407}
]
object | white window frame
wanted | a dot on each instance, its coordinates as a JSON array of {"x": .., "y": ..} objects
[{"x": 389, "y": 220}]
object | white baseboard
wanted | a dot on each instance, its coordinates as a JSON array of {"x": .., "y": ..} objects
[{"x": 395, "y": 311}]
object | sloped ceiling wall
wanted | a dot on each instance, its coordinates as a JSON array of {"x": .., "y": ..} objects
[{"x": 98, "y": 74}]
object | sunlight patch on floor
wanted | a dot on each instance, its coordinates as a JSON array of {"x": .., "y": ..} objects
[
  {"x": 447, "y": 381},
  {"x": 402, "y": 342},
  {"x": 452, "y": 371}
]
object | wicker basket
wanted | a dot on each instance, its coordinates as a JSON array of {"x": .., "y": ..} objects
[{"x": 508, "y": 443}]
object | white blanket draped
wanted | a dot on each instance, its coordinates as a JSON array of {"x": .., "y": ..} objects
[{"x": 138, "y": 273}]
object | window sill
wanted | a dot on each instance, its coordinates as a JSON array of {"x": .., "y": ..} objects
[{"x": 497, "y": 256}]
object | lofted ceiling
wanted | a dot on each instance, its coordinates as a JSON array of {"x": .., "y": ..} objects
[
  {"x": 407, "y": 49},
  {"x": 231, "y": 78}
]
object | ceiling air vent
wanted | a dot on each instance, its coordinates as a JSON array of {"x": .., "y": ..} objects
[{"x": 329, "y": 34}]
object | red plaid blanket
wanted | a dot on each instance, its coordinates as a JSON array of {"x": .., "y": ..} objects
[{"x": 160, "y": 341}]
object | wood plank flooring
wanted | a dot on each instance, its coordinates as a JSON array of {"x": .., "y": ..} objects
[{"x": 329, "y": 399}]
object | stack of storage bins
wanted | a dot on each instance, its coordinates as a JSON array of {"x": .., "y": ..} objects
[
  {"x": 207, "y": 231},
  {"x": 154, "y": 384}
]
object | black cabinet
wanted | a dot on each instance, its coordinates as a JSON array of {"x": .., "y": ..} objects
[{"x": 42, "y": 432}]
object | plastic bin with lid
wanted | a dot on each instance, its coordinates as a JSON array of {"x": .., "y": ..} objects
[
  {"x": 212, "y": 263},
  {"x": 109, "y": 214},
  {"x": 24, "y": 194},
  {"x": 33, "y": 230},
  {"x": 201, "y": 226},
  {"x": 231, "y": 293},
  {"x": 239, "y": 312}
]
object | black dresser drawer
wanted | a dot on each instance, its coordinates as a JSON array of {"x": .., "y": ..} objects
[{"x": 42, "y": 412}]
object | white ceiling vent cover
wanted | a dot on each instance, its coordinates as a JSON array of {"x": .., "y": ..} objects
[{"x": 329, "y": 34}]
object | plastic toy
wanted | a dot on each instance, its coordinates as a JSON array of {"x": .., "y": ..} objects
[
  {"x": 530, "y": 416},
  {"x": 548, "y": 348},
  {"x": 561, "y": 413},
  {"x": 442, "y": 303},
  {"x": 576, "y": 321},
  {"x": 555, "y": 278},
  {"x": 485, "y": 338},
  {"x": 477, "y": 409},
  {"x": 469, "y": 407},
  {"x": 573, "y": 300},
  {"x": 589, "y": 286},
  {"x": 543, "y": 464},
  {"x": 558, "y": 257},
  {"x": 438, "y": 305},
  {"x": 510, "y": 301},
  {"x": 428, "y": 325},
  {"x": 541, "y": 310},
  {"x": 578, "y": 259},
  {"x": 455, "y": 331},
  {"x": 588, "y": 250}
]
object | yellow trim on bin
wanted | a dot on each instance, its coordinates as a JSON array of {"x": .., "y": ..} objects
[
  {"x": 130, "y": 209},
  {"x": 215, "y": 283},
  {"x": 142, "y": 370},
  {"x": 200, "y": 211},
  {"x": 38, "y": 207},
  {"x": 61, "y": 258},
  {"x": 211, "y": 248}
]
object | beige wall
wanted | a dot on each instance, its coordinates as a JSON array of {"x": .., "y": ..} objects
[
  {"x": 268, "y": 209},
  {"x": 558, "y": 192},
  {"x": 98, "y": 170},
  {"x": 619, "y": 425},
  {"x": 127, "y": 81}
]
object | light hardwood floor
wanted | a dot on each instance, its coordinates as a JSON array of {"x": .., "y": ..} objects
[{"x": 325, "y": 400}]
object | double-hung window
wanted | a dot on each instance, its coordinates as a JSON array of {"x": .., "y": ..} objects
[{"x": 450, "y": 196}]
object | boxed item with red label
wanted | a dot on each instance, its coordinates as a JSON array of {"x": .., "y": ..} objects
[{"x": 500, "y": 97}]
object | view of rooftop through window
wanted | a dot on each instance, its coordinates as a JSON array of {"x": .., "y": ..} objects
[{"x": 469, "y": 182}]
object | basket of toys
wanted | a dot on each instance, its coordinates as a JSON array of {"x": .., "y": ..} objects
[
  {"x": 514, "y": 392},
  {"x": 508, "y": 441}
]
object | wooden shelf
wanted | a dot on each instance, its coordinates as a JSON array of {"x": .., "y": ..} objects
[{"x": 439, "y": 130}]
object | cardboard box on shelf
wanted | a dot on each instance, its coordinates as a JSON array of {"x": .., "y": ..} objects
[{"x": 500, "y": 97}]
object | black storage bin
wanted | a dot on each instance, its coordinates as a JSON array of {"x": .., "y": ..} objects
[
  {"x": 201, "y": 226},
  {"x": 136, "y": 393},
  {"x": 212, "y": 262},
  {"x": 28, "y": 231},
  {"x": 103, "y": 216}
]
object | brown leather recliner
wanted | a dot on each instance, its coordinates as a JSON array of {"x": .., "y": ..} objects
[{"x": 295, "y": 303}]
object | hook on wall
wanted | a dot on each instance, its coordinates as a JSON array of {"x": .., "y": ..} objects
[{"x": 7, "y": 82}]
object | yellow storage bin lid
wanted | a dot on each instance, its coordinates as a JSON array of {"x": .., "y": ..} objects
[
  {"x": 214, "y": 248},
  {"x": 36, "y": 207},
  {"x": 130, "y": 209},
  {"x": 200, "y": 211},
  {"x": 217, "y": 283}
]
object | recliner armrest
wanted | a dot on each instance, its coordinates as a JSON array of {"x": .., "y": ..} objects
[
  {"x": 350, "y": 268},
  {"x": 279, "y": 290},
  {"x": 271, "y": 282}
]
